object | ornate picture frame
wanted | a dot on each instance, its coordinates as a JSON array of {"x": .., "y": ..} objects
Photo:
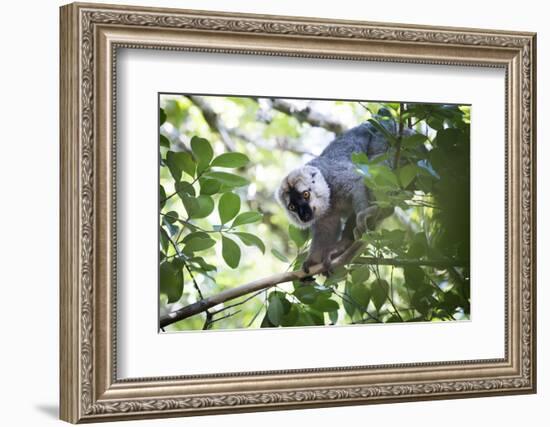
[{"x": 90, "y": 37}]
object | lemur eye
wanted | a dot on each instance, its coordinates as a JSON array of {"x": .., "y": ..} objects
[
  {"x": 306, "y": 195},
  {"x": 292, "y": 207}
]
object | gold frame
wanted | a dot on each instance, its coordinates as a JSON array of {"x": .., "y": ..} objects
[{"x": 90, "y": 36}]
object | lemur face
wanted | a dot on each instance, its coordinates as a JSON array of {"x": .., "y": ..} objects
[
  {"x": 305, "y": 195},
  {"x": 298, "y": 202}
]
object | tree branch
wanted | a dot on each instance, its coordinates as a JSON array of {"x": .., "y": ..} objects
[
  {"x": 280, "y": 143},
  {"x": 257, "y": 285},
  {"x": 307, "y": 115},
  {"x": 213, "y": 120}
]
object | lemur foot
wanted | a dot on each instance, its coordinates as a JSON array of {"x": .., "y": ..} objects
[
  {"x": 326, "y": 261},
  {"x": 308, "y": 263},
  {"x": 327, "y": 265}
]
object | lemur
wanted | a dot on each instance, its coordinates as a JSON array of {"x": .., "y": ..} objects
[{"x": 328, "y": 189}]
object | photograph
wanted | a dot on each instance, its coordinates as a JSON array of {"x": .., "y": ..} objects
[{"x": 292, "y": 212}]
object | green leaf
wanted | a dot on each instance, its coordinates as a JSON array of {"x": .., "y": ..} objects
[
  {"x": 360, "y": 275},
  {"x": 422, "y": 300},
  {"x": 360, "y": 294},
  {"x": 228, "y": 179},
  {"x": 198, "y": 207},
  {"x": 171, "y": 281},
  {"x": 173, "y": 167},
  {"x": 435, "y": 123},
  {"x": 247, "y": 218},
  {"x": 203, "y": 152},
  {"x": 198, "y": 244},
  {"x": 412, "y": 141},
  {"x": 297, "y": 235},
  {"x": 266, "y": 323},
  {"x": 348, "y": 301},
  {"x": 164, "y": 142},
  {"x": 186, "y": 163},
  {"x": 228, "y": 207},
  {"x": 419, "y": 246},
  {"x": 291, "y": 316},
  {"x": 230, "y": 160},
  {"x": 162, "y": 196},
  {"x": 162, "y": 117},
  {"x": 414, "y": 277},
  {"x": 190, "y": 203},
  {"x": 194, "y": 235},
  {"x": 317, "y": 318},
  {"x": 389, "y": 136},
  {"x": 275, "y": 311},
  {"x": 171, "y": 217},
  {"x": 360, "y": 158},
  {"x": 306, "y": 294},
  {"x": 202, "y": 264},
  {"x": 325, "y": 305},
  {"x": 279, "y": 255},
  {"x": 304, "y": 319},
  {"x": 379, "y": 293},
  {"x": 164, "y": 239},
  {"x": 209, "y": 186},
  {"x": 450, "y": 301},
  {"x": 339, "y": 274},
  {"x": 180, "y": 162},
  {"x": 231, "y": 252},
  {"x": 406, "y": 175},
  {"x": 250, "y": 240},
  {"x": 183, "y": 187},
  {"x": 383, "y": 176},
  {"x": 206, "y": 206}
]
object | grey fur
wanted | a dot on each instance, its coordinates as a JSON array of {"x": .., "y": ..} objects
[{"x": 347, "y": 196}]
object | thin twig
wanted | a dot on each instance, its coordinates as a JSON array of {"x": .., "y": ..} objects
[
  {"x": 237, "y": 303},
  {"x": 191, "y": 183},
  {"x": 224, "y": 317}
]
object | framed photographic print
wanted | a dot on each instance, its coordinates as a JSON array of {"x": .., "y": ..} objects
[{"x": 266, "y": 212}]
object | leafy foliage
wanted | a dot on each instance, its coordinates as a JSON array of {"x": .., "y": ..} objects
[
  {"x": 183, "y": 239},
  {"x": 220, "y": 227}
]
